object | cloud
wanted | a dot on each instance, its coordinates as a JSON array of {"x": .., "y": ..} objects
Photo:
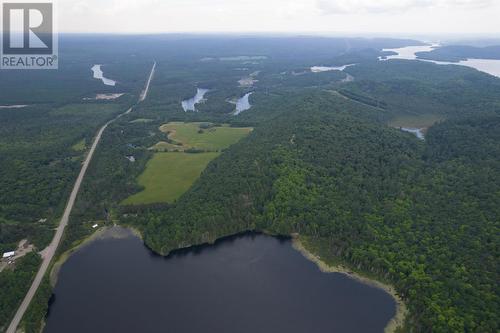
[{"x": 391, "y": 6}]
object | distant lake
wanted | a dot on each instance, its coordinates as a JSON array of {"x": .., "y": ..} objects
[
  {"x": 418, "y": 132},
  {"x": 489, "y": 66},
  {"x": 98, "y": 74},
  {"x": 190, "y": 104},
  {"x": 243, "y": 104},
  {"x": 320, "y": 69},
  {"x": 247, "y": 283},
  {"x": 12, "y": 106}
]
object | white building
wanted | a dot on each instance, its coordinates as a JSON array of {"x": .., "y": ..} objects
[{"x": 8, "y": 254}]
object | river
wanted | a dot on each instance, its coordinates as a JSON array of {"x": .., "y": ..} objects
[
  {"x": 243, "y": 104},
  {"x": 246, "y": 283},
  {"x": 190, "y": 104},
  {"x": 418, "y": 132},
  {"x": 98, "y": 74},
  {"x": 489, "y": 66},
  {"x": 320, "y": 69}
]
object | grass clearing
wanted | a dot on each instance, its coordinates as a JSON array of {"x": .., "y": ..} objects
[
  {"x": 201, "y": 136},
  {"x": 79, "y": 146},
  {"x": 86, "y": 109},
  {"x": 172, "y": 171},
  {"x": 168, "y": 176},
  {"x": 416, "y": 121},
  {"x": 141, "y": 120}
]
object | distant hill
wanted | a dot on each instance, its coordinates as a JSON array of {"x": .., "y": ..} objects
[{"x": 455, "y": 53}]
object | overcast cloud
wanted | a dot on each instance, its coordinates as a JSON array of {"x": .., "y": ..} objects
[
  {"x": 388, "y": 6},
  {"x": 335, "y": 16}
]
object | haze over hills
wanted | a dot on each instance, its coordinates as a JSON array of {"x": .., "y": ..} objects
[{"x": 189, "y": 167}]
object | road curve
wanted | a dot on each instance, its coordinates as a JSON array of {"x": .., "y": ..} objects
[{"x": 51, "y": 250}]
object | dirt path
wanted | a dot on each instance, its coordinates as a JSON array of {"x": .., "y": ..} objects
[
  {"x": 50, "y": 251},
  {"x": 144, "y": 93}
]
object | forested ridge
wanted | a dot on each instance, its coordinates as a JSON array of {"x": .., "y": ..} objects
[
  {"x": 456, "y": 53},
  {"x": 321, "y": 162},
  {"x": 423, "y": 216}
]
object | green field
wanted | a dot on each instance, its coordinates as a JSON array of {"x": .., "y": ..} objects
[
  {"x": 86, "y": 109},
  {"x": 171, "y": 171},
  {"x": 168, "y": 176},
  {"x": 141, "y": 120},
  {"x": 207, "y": 137},
  {"x": 416, "y": 121},
  {"x": 79, "y": 146}
]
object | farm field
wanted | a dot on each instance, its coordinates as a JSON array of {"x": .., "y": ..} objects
[
  {"x": 200, "y": 136},
  {"x": 172, "y": 171},
  {"x": 416, "y": 121},
  {"x": 168, "y": 176}
]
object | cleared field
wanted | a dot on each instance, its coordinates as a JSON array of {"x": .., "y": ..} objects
[
  {"x": 141, "y": 120},
  {"x": 172, "y": 171},
  {"x": 201, "y": 136},
  {"x": 168, "y": 176},
  {"x": 417, "y": 121},
  {"x": 86, "y": 109},
  {"x": 79, "y": 146}
]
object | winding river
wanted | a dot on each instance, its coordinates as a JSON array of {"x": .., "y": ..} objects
[
  {"x": 247, "y": 283},
  {"x": 98, "y": 74},
  {"x": 489, "y": 66},
  {"x": 320, "y": 69},
  {"x": 243, "y": 104},
  {"x": 190, "y": 104}
]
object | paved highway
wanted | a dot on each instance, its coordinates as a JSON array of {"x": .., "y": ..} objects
[{"x": 51, "y": 250}]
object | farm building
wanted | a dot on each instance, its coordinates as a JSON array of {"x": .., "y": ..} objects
[{"x": 8, "y": 254}]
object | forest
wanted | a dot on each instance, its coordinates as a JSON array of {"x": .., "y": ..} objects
[
  {"x": 422, "y": 216},
  {"x": 455, "y": 53},
  {"x": 322, "y": 161}
]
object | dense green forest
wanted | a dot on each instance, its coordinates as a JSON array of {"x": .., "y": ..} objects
[
  {"x": 43, "y": 144},
  {"x": 455, "y": 53},
  {"x": 423, "y": 216},
  {"x": 14, "y": 284},
  {"x": 321, "y": 161}
]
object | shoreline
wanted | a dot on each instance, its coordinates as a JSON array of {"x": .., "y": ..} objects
[
  {"x": 396, "y": 321},
  {"x": 401, "y": 310},
  {"x": 101, "y": 233}
]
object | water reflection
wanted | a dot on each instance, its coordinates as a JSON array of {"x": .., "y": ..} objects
[
  {"x": 190, "y": 104},
  {"x": 243, "y": 104},
  {"x": 418, "y": 132},
  {"x": 246, "y": 283},
  {"x": 490, "y": 66},
  {"x": 98, "y": 74}
]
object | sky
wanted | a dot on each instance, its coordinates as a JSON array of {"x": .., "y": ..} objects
[{"x": 395, "y": 17}]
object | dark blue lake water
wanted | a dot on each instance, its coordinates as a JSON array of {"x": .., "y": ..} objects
[{"x": 247, "y": 283}]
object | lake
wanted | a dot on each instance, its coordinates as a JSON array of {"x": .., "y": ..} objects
[
  {"x": 418, "y": 132},
  {"x": 190, "y": 104},
  {"x": 243, "y": 104},
  {"x": 246, "y": 283},
  {"x": 320, "y": 69},
  {"x": 489, "y": 66},
  {"x": 98, "y": 74}
]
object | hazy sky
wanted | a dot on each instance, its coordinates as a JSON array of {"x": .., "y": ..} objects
[{"x": 355, "y": 16}]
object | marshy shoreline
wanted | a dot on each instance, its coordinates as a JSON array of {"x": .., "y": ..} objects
[
  {"x": 401, "y": 310},
  {"x": 299, "y": 245}
]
